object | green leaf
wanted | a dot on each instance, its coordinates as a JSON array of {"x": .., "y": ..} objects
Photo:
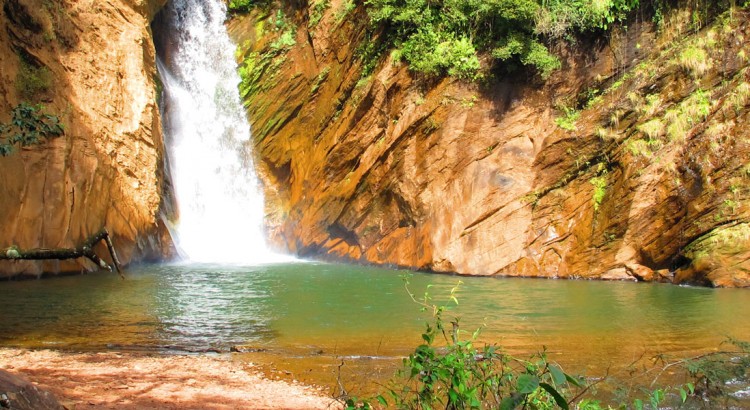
[
  {"x": 527, "y": 383},
  {"x": 382, "y": 400},
  {"x": 558, "y": 376},
  {"x": 476, "y": 333},
  {"x": 572, "y": 380},
  {"x": 559, "y": 399},
  {"x": 511, "y": 402},
  {"x": 638, "y": 404},
  {"x": 453, "y": 396},
  {"x": 683, "y": 395}
]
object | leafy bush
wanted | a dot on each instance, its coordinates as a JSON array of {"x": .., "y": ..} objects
[
  {"x": 447, "y": 36},
  {"x": 559, "y": 17},
  {"x": 29, "y": 126},
  {"x": 241, "y": 6}
]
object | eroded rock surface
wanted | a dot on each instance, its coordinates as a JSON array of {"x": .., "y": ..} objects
[
  {"x": 92, "y": 64},
  {"x": 649, "y": 181},
  {"x": 20, "y": 394}
]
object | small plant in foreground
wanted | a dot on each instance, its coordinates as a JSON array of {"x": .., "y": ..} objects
[{"x": 448, "y": 371}]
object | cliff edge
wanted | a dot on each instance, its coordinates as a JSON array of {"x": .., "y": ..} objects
[
  {"x": 630, "y": 162},
  {"x": 92, "y": 66}
]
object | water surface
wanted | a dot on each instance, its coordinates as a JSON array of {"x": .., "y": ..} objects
[{"x": 308, "y": 317}]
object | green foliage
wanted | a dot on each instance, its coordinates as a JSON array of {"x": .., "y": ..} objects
[
  {"x": 28, "y": 126},
  {"x": 346, "y": 8},
  {"x": 240, "y": 6},
  {"x": 448, "y": 371},
  {"x": 446, "y": 36},
  {"x": 713, "y": 372},
  {"x": 286, "y": 40},
  {"x": 318, "y": 9},
  {"x": 559, "y": 17},
  {"x": 600, "y": 189},
  {"x": 429, "y": 54},
  {"x": 568, "y": 120},
  {"x": 438, "y": 37},
  {"x": 32, "y": 81},
  {"x": 695, "y": 60},
  {"x": 322, "y": 76},
  {"x": 244, "y": 6}
]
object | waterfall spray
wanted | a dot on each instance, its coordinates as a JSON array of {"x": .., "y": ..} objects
[{"x": 220, "y": 202}]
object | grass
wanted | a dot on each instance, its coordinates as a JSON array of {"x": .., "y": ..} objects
[
  {"x": 319, "y": 80},
  {"x": 716, "y": 130},
  {"x": 697, "y": 107},
  {"x": 695, "y": 60},
  {"x": 605, "y": 134},
  {"x": 740, "y": 96},
  {"x": 639, "y": 147},
  {"x": 653, "y": 128},
  {"x": 653, "y": 105},
  {"x": 678, "y": 125},
  {"x": 32, "y": 81},
  {"x": 725, "y": 239}
]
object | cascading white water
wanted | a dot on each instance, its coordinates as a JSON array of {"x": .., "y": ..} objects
[{"x": 220, "y": 204}]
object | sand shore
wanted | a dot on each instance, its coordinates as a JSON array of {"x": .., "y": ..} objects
[{"x": 133, "y": 380}]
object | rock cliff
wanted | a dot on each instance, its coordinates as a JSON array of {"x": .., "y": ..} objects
[
  {"x": 631, "y": 162},
  {"x": 92, "y": 64}
]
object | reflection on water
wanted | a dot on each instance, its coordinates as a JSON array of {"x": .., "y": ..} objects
[{"x": 317, "y": 313}]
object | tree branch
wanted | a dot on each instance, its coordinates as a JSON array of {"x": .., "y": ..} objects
[{"x": 84, "y": 251}]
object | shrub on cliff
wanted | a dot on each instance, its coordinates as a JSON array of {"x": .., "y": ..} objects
[
  {"x": 448, "y": 36},
  {"x": 28, "y": 126},
  {"x": 244, "y": 6}
]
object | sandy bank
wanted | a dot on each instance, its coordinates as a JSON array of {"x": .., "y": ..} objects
[{"x": 127, "y": 380}]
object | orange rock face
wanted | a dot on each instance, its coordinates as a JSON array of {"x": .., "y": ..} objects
[
  {"x": 649, "y": 181},
  {"x": 95, "y": 61}
]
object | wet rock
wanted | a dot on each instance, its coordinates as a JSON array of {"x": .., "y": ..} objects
[
  {"x": 640, "y": 272},
  {"x": 617, "y": 274},
  {"x": 19, "y": 394},
  {"x": 246, "y": 349},
  {"x": 664, "y": 275}
]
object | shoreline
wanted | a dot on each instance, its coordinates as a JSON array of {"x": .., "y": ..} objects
[{"x": 146, "y": 380}]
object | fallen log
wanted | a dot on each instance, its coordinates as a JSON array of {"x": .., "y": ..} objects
[{"x": 84, "y": 251}]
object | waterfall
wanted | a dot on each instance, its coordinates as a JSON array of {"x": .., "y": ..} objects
[{"x": 220, "y": 203}]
